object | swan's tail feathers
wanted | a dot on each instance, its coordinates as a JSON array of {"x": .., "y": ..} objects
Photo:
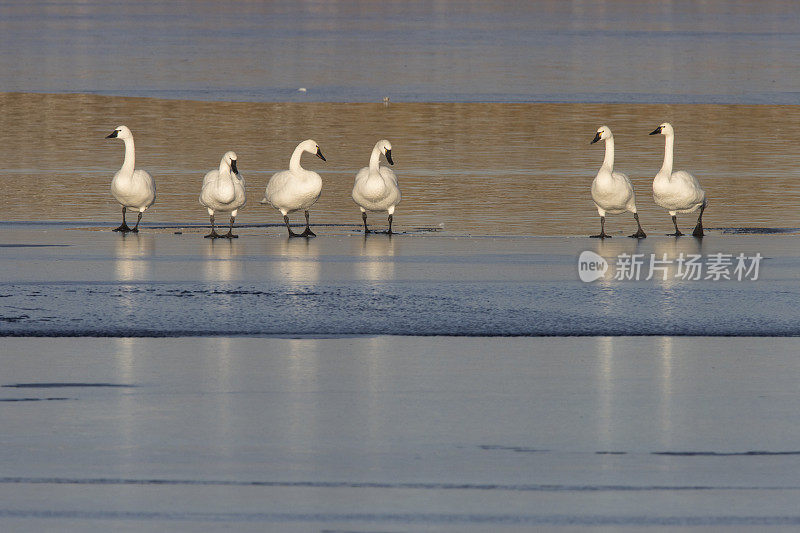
[{"x": 263, "y": 201}]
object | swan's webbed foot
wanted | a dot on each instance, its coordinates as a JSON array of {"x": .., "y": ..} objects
[
  {"x": 135, "y": 229},
  {"x": 213, "y": 235},
  {"x": 698, "y": 229},
  {"x": 289, "y": 228},
  {"x": 677, "y": 231},
  {"x": 640, "y": 234},
  {"x": 602, "y": 234},
  {"x": 123, "y": 228},
  {"x": 229, "y": 235},
  {"x": 364, "y": 218},
  {"x": 307, "y": 232}
]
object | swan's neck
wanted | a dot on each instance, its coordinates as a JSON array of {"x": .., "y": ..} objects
[
  {"x": 608, "y": 160},
  {"x": 224, "y": 171},
  {"x": 374, "y": 160},
  {"x": 666, "y": 168},
  {"x": 294, "y": 162},
  {"x": 130, "y": 157}
]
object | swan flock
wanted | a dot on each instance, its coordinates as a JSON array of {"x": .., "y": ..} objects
[
  {"x": 677, "y": 192},
  {"x": 376, "y": 187}
]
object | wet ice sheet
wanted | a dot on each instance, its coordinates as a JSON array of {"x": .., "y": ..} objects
[
  {"x": 55, "y": 281},
  {"x": 398, "y": 433}
]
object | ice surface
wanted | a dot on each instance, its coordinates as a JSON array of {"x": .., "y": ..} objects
[
  {"x": 363, "y": 419},
  {"x": 399, "y": 434},
  {"x": 55, "y": 281}
]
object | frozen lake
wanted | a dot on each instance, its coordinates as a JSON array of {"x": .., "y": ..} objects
[
  {"x": 309, "y": 390},
  {"x": 457, "y": 377},
  {"x": 382, "y": 433}
]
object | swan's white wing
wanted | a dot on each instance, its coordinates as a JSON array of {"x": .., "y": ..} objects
[
  {"x": 362, "y": 174},
  {"x": 148, "y": 187},
  {"x": 277, "y": 183},
  {"x": 623, "y": 178},
  {"x": 695, "y": 192},
  {"x": 241, "y": 195},
  {"x": 613, "y": 193},
  {"x": 210, "y": 175},
  {"x": 388, "y": 174}
]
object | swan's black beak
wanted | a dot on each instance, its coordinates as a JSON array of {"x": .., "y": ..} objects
[
  {"x": 389, "y": 157},
  {"x": 112, "y": 135},
  {"x": 319, "y": 154},
  {"x": 233, "y": 167},
  {"x": 596, "y": 138},
  {"x": 656, "y": 131}
]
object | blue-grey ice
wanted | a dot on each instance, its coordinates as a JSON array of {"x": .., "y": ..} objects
[{"x": 96, "y": 283}]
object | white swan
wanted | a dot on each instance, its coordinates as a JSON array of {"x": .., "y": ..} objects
[
  {"x": 677, "y": 192},
  {"x": 612, "y": 191},
  {"x": 131, "y": 188},
  {"x": 223, "y": 190},
  {"x": 295, "y": 189},
  {"x": 376, "y": 187}
]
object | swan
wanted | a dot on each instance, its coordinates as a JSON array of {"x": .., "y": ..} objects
[
  {"x": 677, "y": 192},
  {"x": 612, "y": 191},
  {"x": 295, "y": 189},
  {"x": 376, "y": 187},
  {"x": 223, "y": 190},
  {"x": 131, "y": 188}
]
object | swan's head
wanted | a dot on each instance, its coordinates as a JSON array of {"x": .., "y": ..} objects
[
  {"x": 229, "y": 159},
  {"x": 664, "y": 129},
  {"x": 121, "y": 132},
  {"x": 385, "y": 147},
  {"x": 312, "y": 147},
  {"x": 603, "y": 133}
]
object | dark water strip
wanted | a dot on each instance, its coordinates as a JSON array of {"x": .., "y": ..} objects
[
  {"x": 385, "y": 485},
  {"x": 412, "y": 308},
  {"x": 410, "y": 518}
]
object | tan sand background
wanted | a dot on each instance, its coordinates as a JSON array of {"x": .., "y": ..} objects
[{"x": 468, "y": 168}]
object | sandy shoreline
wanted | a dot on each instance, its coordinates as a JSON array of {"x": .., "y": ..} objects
[{"x": 484, "y": 169}]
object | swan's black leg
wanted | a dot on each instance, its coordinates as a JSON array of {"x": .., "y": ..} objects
[
  {"x": 307, "y": 232},
  {"x": 288, "y": 227},
  {"x": 698, "y": 229},
  {"x": 640, "y": 234},
  {"x": 364, "y": 218},
  {"x": 230, "y": 234},
  {"x": 123, "y": 227},
  {"x": 390, "y": 225},
  {"x": 602, "y": 234},
  {"x": 677, "y": 231},
  {"x": 213, "y": 234},
  {"x": 136, "y": 227}
]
